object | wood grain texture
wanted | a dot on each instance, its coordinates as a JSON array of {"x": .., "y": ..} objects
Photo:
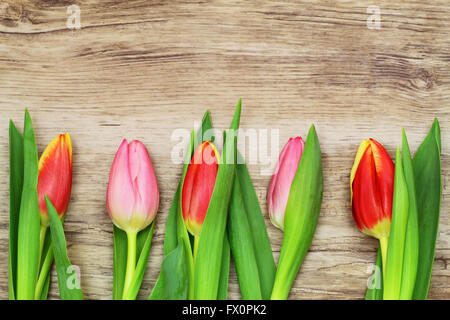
[{"x": 143, "y": 69}]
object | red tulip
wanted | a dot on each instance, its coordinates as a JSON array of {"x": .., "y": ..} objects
[
  {"x": 199, "y": 185},
  {"x": 55, "y": 177},
  {"x": 372, "y": 186}
]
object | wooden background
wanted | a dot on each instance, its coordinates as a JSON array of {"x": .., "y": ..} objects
[{"x": 143, "y": 69}]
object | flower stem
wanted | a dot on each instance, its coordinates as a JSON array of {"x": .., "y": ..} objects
[
  {"x": 44, "y": 273},
  {"x": 384, "y": 246},
  {"x": 131, "y": 262},
  {"x": 42, "y": 233},
  {"x": 196, "y": 242}
]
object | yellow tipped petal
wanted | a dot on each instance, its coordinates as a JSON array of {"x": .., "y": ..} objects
[{"x": 361, "y": 149}]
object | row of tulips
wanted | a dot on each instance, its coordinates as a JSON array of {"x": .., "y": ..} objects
[{"x": 215, "y": 215}]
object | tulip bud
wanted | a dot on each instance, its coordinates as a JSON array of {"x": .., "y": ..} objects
[
  {"x": 55, "y": 177},
  {"x": 132, "y": 197},
  {"x": 280, "y": 185},
  {"x": 199, "y": 185},
  {"x": 372, "y": 186}
]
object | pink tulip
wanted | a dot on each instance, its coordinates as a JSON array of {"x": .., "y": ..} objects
[
  {"x": 132, "y": 198},
  {"x": 280, "y": 185}
]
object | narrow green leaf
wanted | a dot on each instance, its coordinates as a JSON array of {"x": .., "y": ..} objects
[
  {"x": 173, "y": 280},
  {"x": 396, "y": 245},
  {"x": 206, "y": 126},
  {"x": 182, "y": 232},
  {"x": 261, "y": 241},
  {"x": 120, "y": 262},
  {"x": 411, "y": 255},
  {"x": 376, "y": 293},
  {"x": 208, "y": 262},
  {"x": 242, "y": 247},
  {"x": 170, "y": 236},
  {"x": 43, "y": 281},
  {"x": 428, "y": 181},
  {"x": 301, "y": 217},
  {"x": 15, "y": 195},
  {"x": 44, "y": 294},
  {"x": 68, "y": 282},
  {"x": 29, "y": 220},
  {"x": 143, "y": 253},
  {"x": 225, "y": 270}
]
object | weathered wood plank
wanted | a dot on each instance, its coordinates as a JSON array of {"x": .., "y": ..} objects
[{"x": 143, "y": 69}]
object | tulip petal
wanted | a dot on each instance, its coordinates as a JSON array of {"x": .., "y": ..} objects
[
  {"x": 120, "y": 197},
  {"x": 384, "y": 168},
  {"x": 280, "y": 184},
  {"x": 144, "y": 184},
  {"x": 361, "y": 150}
]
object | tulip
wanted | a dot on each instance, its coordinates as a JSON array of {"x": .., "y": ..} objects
[
  {"x": 372, "y": 186},
  {"x": 198, "y": 188},
  {"x": 301, "y": 213},
  {"x": 280, "y": 185},
  {"x": 55, "y": 177},
  {"x": 55, "y": 182},
  {"x": 132, "y": 198}
]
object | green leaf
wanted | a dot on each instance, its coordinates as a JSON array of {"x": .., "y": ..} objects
[
  {"x": 45, "y": 274},
  {"x": 261, "y": 241},
  {"x": 143, "y": 251},
  {"x": 396, "y": 245},
  {"x": 173, "y": 280},
  {"x": 68, "y": 281},
  {"x": 209, "y": 258},
  {"x": 15, "y": 195},
  {"x": 242, "y": 247},
  {"x": 204, "y": 130},
  {"x": 376, "y": 293},
  {"x": 428, "y": 181},
  {"x": 29, "y": 220},
  {"x": 411, "y": 255},
  {"x": 43, "y": 281},
  {"x": 225, "y": 270},
  {"x": 120, "y": 262},
  {"x": 170, "y": 236},
  {"x": 44, "y": 294},
  {"x": 301, "y": 217}
]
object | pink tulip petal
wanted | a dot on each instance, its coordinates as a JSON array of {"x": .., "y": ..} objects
[
  {"x": 280, "y": 184},
  {"x": 120, "y": 196}
]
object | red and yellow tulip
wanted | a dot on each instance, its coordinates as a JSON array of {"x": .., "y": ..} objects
[
  {"x": 372, "y": 186},
  {"x": 199, "y": 185},
  {"x": 55, "y": 177}
]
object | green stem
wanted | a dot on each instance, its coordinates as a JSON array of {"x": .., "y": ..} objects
[
  {"x": 131, "y": 262},
  {"x": 196, "y": 241},
  {"x": 384, "y": 246},
  {"x": 44, "y": 273},
  {"x": 42, "y": 233}
]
